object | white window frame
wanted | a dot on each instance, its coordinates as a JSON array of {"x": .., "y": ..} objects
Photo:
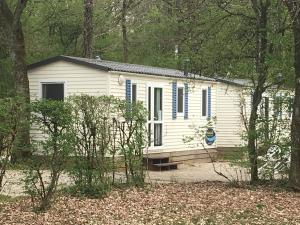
[
  {"x": 41, "y": 82},
  {"x": 180, "y": 114}
]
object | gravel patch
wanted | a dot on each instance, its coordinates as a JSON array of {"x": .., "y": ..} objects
[{"x": 197, "y": 172}]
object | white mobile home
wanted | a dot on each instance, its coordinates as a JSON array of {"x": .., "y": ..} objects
[{"x": 176, "y": 102}]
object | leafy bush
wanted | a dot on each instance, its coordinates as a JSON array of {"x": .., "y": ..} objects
[
  {"x": 105, "y": 128},
  {"x": 272, "y": 137},
  {"x": 94, "y": 131},
  {"x": 132, "y": 131},
  {"x": 54, "y": 119},
  {"x": 275, "y": 162},
  {"x": 10, "y": 111}
]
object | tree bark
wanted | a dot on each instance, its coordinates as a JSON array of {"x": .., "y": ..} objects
[
  {"x": 88, "y": 29},
  {"x": 124, "y": 30},
  {"x": 19, "y": 67},
  {"x": 261, "y": 12},
  {"x": 294, "y": 174}
]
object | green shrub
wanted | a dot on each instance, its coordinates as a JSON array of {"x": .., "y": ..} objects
[
  {"x": 132, "y": 131},
  {"x": 93, "y": 128},
  {"x": 10, "y": 111},
  {"x": 54, "y": 119},
  {"x": 105, "y": 128}
]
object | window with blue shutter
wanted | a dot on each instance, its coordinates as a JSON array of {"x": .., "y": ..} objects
[
  {"x": 180, "y": 100},
  {"x": 209, "y": 102},
  {"x": 174, "y": 100},
  {"x": 186, "y": 101},
  {"x": 128, "y": 90}
]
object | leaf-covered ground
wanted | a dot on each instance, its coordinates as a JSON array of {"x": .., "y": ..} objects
[{"x": 198, "y": 203}]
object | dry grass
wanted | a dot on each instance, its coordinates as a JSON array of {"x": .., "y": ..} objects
[{"x": 199, "y": 203}]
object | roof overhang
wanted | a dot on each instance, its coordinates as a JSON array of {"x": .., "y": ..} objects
[{"x": 66, "y": 59}]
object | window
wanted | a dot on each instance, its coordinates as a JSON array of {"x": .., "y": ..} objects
[
  {"x": 149, "y": 103},
  {"x": 277, "y": 107},
  {"x": 133, "y": 94},
  {"x": 264, "y": 108},
  {"x": 204, "y": 102},
  {"x": 180, "y": 96},
  {"x": 290, "y": 106},
  {"x": 53, "y": 91},
  {"x": 266, "y": 105}
]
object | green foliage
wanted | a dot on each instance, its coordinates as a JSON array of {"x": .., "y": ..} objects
[
  {"x": 272, "y": 136},
  {"x": 132, "y": 131},
  {"x": 56, "y": 24},
  {"x": 109, "y": 132},
  {"x": 95, "y": 131},
  {"x": 10, "y": 111},
  {"x": 54, "y": 119},
  {"x": 6, "y": 82}
]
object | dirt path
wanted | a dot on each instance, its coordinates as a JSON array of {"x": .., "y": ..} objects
[{"x": 14, "y": 186}]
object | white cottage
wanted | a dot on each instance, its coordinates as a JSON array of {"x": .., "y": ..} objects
[{"x": 176, "y": 102}]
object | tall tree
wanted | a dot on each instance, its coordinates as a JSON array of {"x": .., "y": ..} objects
[
  {"x": 260, "y": 54},
  {"x": 14, "y": 33},
  {"x": 12, "y": 28},
  {"x": 294, "y": 176},
  {"x": 88, "y": 29},
  {"x": 124, "y": 11},
  {"x": 123, "y": 14},
  {"x": 261, "y": 9}
]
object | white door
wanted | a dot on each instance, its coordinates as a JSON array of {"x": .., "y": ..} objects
[{"x": 155, "y": 116}]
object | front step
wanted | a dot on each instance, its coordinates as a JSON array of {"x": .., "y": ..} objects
[
  {"x": 186, "y": 157},
  {"x": 157, "y": 163},
  {"x": 165, "y": 166}
]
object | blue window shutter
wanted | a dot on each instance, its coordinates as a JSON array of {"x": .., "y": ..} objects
[
  {"x": 209, "y": 102},
  {"x": 128, "y": 90},
  {"x": 186, "y": 101},
  {"x": 174, "y": 100}
]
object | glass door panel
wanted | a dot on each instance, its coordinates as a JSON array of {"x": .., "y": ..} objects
[
  {"x": 157, "y": 134},
  {"x": 158, "y": 104},
  {"x": 155, "y": 116}
]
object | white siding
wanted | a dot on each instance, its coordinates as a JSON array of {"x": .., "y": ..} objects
[
  {"x": 78, "y": 79},
  {"x": 226, "y": 101},
  {"x": 230, "y": 124},
  {"x": 173, "y": 129},
  {"x": 229, "y": 121}
]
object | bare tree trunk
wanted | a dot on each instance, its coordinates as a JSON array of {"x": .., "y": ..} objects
[
  {"x": 88, "y": 29},
  {"x": 19, "y": 67},
  {"x": 294, "y": 175},
  {"x": 261, "y": 12},
  {"x": 124, "y": 30}
]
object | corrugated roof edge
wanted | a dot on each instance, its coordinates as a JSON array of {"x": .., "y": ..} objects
[
  {"x": 76, "y": 60},
  {"x": 228, "y": 81}
]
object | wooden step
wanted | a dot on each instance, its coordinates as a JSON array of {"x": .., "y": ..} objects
[
  {"x": 192, "y": 157},
  {"x": 187, "y": 156},
  {"x": 192, "y": 152},
  {"x": 166, "y": 166}
]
